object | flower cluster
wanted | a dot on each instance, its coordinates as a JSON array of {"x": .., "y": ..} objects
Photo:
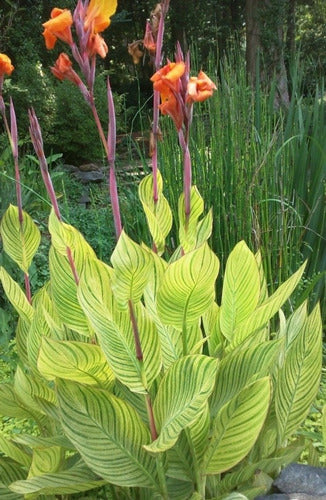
[
  {"x": 178, "y": 91},
  {"x": 6, "y": 68},
  {"x": 90, "y": 18}
]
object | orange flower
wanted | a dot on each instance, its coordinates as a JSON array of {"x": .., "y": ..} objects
[
  {"x": 59, "y": 26},
  {"x": 96, "y": 45},
  {"x": 167, "y": 81},
  {"x": 98, "y": 14},
  {"x": 5, "y": 65},
  {"x": 200, "y": 88},
  {"x": 63, "y": 69}
]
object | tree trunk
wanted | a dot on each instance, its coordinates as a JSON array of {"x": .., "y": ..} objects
[{"x": 265, "y": 20}]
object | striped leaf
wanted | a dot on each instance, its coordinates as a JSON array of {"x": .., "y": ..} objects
[
  {"x": 271, "y": 465},
  {"x": 14, "y": 451},
  {"x": 188, "y": 235},
  {"x": 64, "y": 294},
  {"x": 213, "y": 331},
  {"x": 181, "y": 396},
  {"x": 114, "y": 329},
  {"x": 11, "y": 405},
  {"x": 132, "y": 267},
  {"x": 241, "y": 289},
  {"x": 45, "y": 461},
  {"x": 299, "y": 378},
  {"x": 76, "y": 479},
  {"x": 265, "y": 311},
  {"x": 263, "y": 284},
  {"x": 158, "y": 215},
  {"x": 20, "y": 241},
  {"x": 21, "y": 340},
  {"x": 187, "y": 289},
  {"x": 40, "y": 326},
  {"x": 204, "y": 228},
  {"x": 237, "y": 426},
  {"x": 43, "y": 442},
  {"x": 64, "y": 235},
  {"x": 239, "y": 368},
  {"x": 10, "y": 471},
  {"x": 28, "y": 388},
  {"x": 117, "y": 342},
  {"x": 108, "y": 434},
  {"x": 16, "y": 296},
  {"x": 199, "y": 433},
  {"x": 84, "y": 363}
]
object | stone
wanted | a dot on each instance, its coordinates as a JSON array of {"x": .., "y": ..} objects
[{"x": 300, "y": 478}]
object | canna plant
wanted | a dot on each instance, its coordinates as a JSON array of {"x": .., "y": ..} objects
[{"x": 139, "y": 383}]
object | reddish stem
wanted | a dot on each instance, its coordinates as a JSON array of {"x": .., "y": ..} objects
[{"x": 139, "y": 352}]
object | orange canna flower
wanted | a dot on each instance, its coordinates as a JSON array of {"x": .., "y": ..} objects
[
  {"x": 98, "y": 14},
  {"x": 199, "y": 88},
  {"x": 167, "y": 81},
  {"x": 59, "y": 26},
  {"x": 63, "y": 69},
  {"x": 6, "y": 68},
  {"x": 96, "y": 45}
]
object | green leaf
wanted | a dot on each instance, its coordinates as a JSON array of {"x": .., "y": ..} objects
[
  {"x": 84, "y": 363},
  {"x": 16, "y": 296},
  {"x": 114, "y": 330},
  {"x": 46, "y": 460},
  {"x": 237, "y": 426},
  {"x": 108, "y": 434},
  {"x": 158, "y": 215},
  {"x": 64, "y": 294},
  {"x": 188, "y": 233},
  {"x": 213, "y": 331},
  {"x": 271, "y": 465},
  {"x": 187, "y": 289},
  {"x": 241, "y": 289},
  {"x": 181, "y": 396},
  {"x": 299, "y": 377},
  {"x": 241, "y": 367},
  {"x": 76, "y": 479},
  {"x": 20, "y": 240},
  {"x": 65, "y": 236},
  {"x": 265, "y": 311},
  {"x": 132, "y": 266},
  {"x": 10, "y": 449},
  {"x": 10, "y": 471},
  {"x": 204, "y": 228},
  {"x": 29, "y": 388},
  {"x": 10, "y": 404}
]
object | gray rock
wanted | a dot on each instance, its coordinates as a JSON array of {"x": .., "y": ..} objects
[
  {"x": 299, "y": 478},
  {"x": 273, "y": 496},
  {"x": 92, "y": 176}
]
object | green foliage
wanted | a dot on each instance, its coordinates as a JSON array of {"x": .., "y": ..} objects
[{"x": 139, "y": 381}]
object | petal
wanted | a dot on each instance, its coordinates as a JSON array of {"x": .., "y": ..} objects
[
  {"x": 98, "y": 14},
  {"x": 60, "y": 21},
  {"x": 50, "y": 39}
]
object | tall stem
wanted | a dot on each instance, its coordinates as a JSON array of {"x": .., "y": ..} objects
[{"x": 187, "y": 175}]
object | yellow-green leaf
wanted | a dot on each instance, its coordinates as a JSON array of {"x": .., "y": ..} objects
[
  {"x": 188, "y": 232},
  {"x": 132, "y": 267},
  {"x": 84, "y": 363},
  {"x": 158, "y": 215},
  {"x": 20, "y": 240},
  {"x": 187, "y": 289},
  {"x": 181, "y": 396},
  {"x": 241, "y": 289},
  {"x": 16, "y": 296},
  {"x": 237, "y": 426}
]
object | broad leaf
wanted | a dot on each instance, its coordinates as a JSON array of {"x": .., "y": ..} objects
[
  {"x": 188, "y": 232},
  {"x": 84, "y": 363},
  {"x": 266, "y": 310},
  {"x": 181, "y": 396},
  {"x": 158, "y": 214},
  {"x": 187, "y": 289},
  {"x": 115, "y": 333},
  {"x": 20, "y": 240},
  {"x": 16, "y": 296},
  {"x": 241, "y": 367},
  {"x": 241, "y": 289},
  {"x": 213, "y": 331},
  {"x": 298, "y": 380},
  {"x": 12, "y": 450},
  {"x": 237, "y": 426},
  {"x": 132, "y": 266},
  {"x": 64, "y": 294},
  {"x": 46, "y": 461},
  {"x": 108, "y": 434},
  {"x": 77, "y": 479}
]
